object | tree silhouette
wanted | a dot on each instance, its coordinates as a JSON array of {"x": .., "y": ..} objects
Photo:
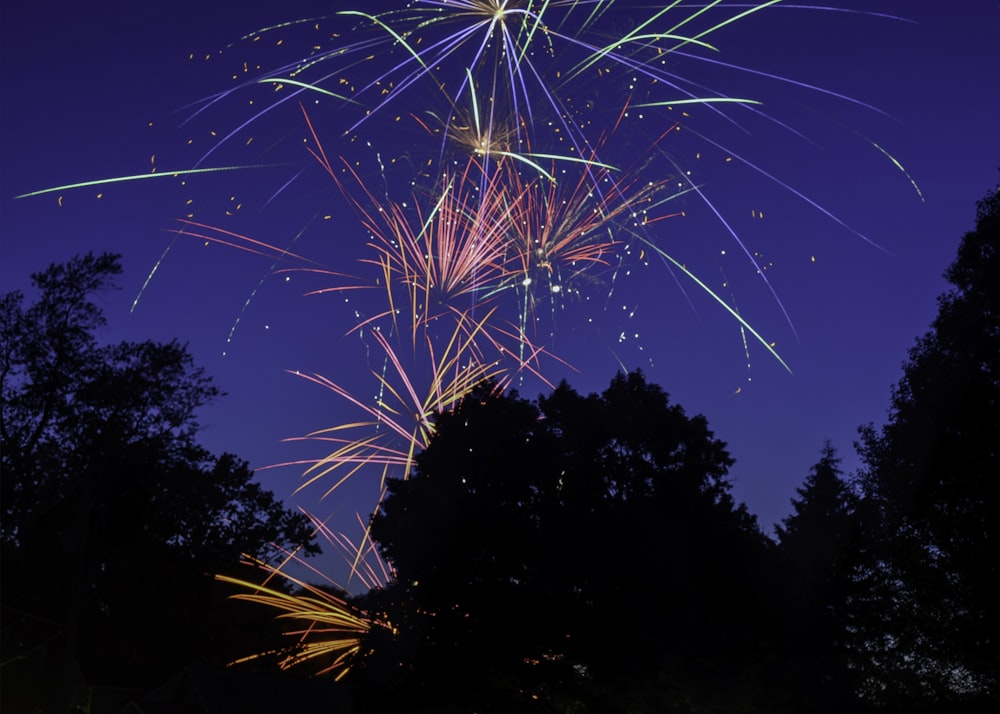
[
  {"x": 818, "y": 543},
  {"x": 574, "y": 553},
  {"x": 932, "y": 493},
  {"x": 114, "y": 518}
]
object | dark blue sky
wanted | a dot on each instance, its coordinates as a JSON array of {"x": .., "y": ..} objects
[{"x": 92, "y": 92}]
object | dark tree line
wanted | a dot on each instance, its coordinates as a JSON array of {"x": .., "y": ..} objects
[
  {"x": 572, "y": 553},
  {"x": 114, "y": 518},
  {"x": 931, "y": 501},
  {"x": 584, "y": 554}
]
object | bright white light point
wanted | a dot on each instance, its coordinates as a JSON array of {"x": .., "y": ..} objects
[
  {"x": 288, "y": 278},
  {"x": 556, "y": 288},
  {"x": 722, "y": 252},
  {"x": 267, "y": 327},
  {"x": 526, "y": 282}
]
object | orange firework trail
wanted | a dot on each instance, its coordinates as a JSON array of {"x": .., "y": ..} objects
[
  {"x": 327, "y": 629},
  {"x": 400, "y": 422}
]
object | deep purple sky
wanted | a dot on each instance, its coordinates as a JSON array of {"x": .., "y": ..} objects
[{"x": 81, "y": 85}]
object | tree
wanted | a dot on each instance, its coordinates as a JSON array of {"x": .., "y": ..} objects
[
  {"x": 575, "y": 553},
  {"x": 932, "y": 493},
  {"x": 114, "y": 518},
  {"x": 818, "y": 544}
]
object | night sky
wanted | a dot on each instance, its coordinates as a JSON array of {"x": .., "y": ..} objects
[{"x": 100, "y": 91}]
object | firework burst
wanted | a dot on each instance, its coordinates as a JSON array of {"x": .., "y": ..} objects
[
  {"x": 510, "y": 214},
  {"x": 400, "y": 421}
]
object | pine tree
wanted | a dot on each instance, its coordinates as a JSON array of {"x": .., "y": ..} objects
[{"x": 818, "y": 544}]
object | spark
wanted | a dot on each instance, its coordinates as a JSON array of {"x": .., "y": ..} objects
[{"x": 141, "y": 177}]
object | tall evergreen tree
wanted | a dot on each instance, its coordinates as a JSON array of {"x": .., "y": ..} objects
[
  {"x": 933, "y": 499},
  {"x": 818, "y": 543}
]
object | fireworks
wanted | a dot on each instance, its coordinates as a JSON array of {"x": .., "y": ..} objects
[
  {"x": 328, "y": 630},
  {"x": 501, "y": 220},
  {"x": 513, "y": 214}
]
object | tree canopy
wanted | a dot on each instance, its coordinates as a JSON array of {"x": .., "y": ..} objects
[
  {"x": 574, "y": 551},
  {"x": 932, "y": 497},
  {"x": 114, "y": 517}
]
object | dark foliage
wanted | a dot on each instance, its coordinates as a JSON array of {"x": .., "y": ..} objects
[
  {"x": 583, "y": 554},
  {"x": 578, "y": 553},
  {"x": 930, "y": 630},
  {"x": 819, "y": 543},
  {"x": 114, "y": 518}
]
